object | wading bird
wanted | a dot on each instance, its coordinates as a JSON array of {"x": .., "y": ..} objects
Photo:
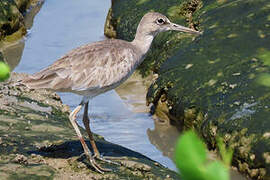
[{"x": 98, "y": 67}]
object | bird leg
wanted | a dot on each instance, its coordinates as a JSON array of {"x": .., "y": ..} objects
[
  {"x": 87, "y": 152},
  {"x": 88, "y": 130},
  {"x": 91, "y": 138}
]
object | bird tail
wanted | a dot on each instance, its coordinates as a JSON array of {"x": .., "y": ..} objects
[
  {"x": 35, "y": 82},
  {"x": 39, "y": 80}
]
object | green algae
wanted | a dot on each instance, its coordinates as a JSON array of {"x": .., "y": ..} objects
[
  {"x": 32, "y": 172},
  {"x": 229, "y": 76},
  {"x": 217, "y": 83},
  {"x": 264, "y": 79},
  {"x": 264, "y": 56}
]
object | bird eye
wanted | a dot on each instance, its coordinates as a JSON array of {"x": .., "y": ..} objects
[{"x": 160, "y": 21}]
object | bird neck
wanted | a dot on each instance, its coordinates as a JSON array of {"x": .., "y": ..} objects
[{"x": 143, "y": 42}]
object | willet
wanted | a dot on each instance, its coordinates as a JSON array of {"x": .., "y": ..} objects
[{"x": 98, "y": 67}]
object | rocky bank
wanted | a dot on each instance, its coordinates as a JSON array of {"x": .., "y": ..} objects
[{"x": 37, "y": 141}]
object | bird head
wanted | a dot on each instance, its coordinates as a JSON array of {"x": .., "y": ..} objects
[{"x": 153, "y": 23}]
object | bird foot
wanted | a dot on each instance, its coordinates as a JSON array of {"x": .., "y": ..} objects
[
  {"x": 106, "y": 159},
  {"x": 94, "y": 164},
  {"x": 97, "y": 167}
]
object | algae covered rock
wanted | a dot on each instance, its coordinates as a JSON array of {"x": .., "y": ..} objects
[
  {"x": 217, "y": 83},
  {"x": 37, "y": 141},
  {"x": 11, "y": 18},
  {"x": 223, "y": 77}
]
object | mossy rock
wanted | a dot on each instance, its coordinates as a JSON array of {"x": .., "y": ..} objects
[
  {"x": 23, "y": 5},
  {"x": 37, "y": 141},
  {"x": 11, "y": 17},
  {"x": 224, "y": 76},
  {"x": 217, "y": 83}
]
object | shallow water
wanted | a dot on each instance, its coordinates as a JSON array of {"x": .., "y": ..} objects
[{"x": 120, "y": 116}]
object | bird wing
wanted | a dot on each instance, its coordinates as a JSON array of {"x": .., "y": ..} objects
[{"x": 91, "y": 66}]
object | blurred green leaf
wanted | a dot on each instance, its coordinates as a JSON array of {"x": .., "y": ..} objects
[
  {"x": 190, "y": 156},
  {"x": 225, "y": 153},
  {"x": 191, "y": 159},
  {"x": 4, "y": 71},
  {"x": 217, "y": 171}
]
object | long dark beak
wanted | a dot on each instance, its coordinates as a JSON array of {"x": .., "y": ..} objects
[{"x": 180, "y": 28}]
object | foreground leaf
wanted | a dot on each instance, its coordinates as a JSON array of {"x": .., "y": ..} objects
[
  {"x": 217, "y": 171},
  {"x": 4, "y": 71},
  {"x": 190, "y": 156}
]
